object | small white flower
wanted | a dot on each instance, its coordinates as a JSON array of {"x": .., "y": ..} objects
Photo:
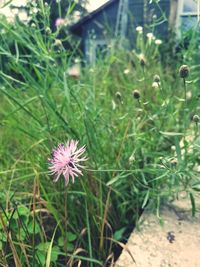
[
  {"x": 77, "y": 60},
  {"x": 158, "y": 42},
  {"x": 33, "y": 25},
  {"x": 126, "y": 71},
  {"x": 74, "y": 71},
  {"x": 35, "y": 10},
  {"x": 155, "y": 85},
  {"x": 154, "y": 17},
  {"x": 139, "y": 29},
  {"x": 48, "y": 30},
  {"x": 91, "y": 70},
  {"x": 131, "y": 158},
  {"x": 150, "y": 36},
  {"x": 58, "y": 42}
]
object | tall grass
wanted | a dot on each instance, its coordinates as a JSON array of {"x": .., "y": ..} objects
[{"x": 135, "y": 150}]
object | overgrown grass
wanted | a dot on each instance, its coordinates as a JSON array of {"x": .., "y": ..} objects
[{"x": 140, "y": 152}]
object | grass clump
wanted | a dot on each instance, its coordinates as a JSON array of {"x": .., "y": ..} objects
[{"x": 132, "y": 114}]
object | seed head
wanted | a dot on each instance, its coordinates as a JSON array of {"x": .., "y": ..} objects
[
  {"x": 156, "y": 78},
  {"x": 118, "y": 96},
  {"x": 173, "y": 162},
  {"x": 184, "y": 71},
  {"x": 136, "y": 94},
  {"x": 142, "y": 60},
  {"x": 196, "y": 118}
]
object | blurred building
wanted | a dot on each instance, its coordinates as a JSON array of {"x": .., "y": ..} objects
[
  {"x": 119, "y": 19},
  {"x": 11, "y": 9}
]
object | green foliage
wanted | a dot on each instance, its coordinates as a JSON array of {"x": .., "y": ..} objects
[{"x": 140, "y": 151}]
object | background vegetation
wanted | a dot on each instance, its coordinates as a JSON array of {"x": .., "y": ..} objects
[{"x": 141, "y": 151}]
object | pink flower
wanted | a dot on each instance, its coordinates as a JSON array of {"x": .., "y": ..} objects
[
  {"x": 66, "y": 160},
  {"x": 60, "y": 22}
]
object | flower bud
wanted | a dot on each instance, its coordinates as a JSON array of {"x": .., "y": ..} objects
[
  {"x": 118, "y": 96},
  {"x": 155, "y": 85},
  {"x": 173, "y": 162},
  {"x": 158, "y": 42},
  {"x": 196, "y": 118},
  {"x": 142, "y": 60},
  {"x": 184, "y": 71},
  {"x": 58, "y": 42},
  {"x": 139, "y": 29},
  {"x": 136, "y": 94},
  {"x": 156, "y": 78}
]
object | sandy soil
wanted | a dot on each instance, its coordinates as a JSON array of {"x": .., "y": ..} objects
[{"x": 176, "y": 243}]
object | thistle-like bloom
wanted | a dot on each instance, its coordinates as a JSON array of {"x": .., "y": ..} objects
[
  {"x": 60, "y": 22},
  {"x": 66, "y": 159},
  {"x": 184, "y": 71}
]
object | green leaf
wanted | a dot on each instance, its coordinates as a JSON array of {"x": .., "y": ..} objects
[
  {"x": 196, "y": 183},
  {"x": 178, "y": 149},
  {"x": 70, "y": 246},
  {"x": 21, "y": 235},
  {"x": 197, "y": 189},
  {"x": 49, "y": 253},
  {"x": 41, "y": 257},
  {"x": 21, "y": 211},
  {"x": 3, "y": 237},
  {"x": 119, "y": 234},
  {"x": 61, "y": 241},
  {"x": 146, "y": 199},
  {"x": 43, "y": 246},
  {"x": 55, "y": 253},
  {"x": 71, "y": 237},
  {"x": 31, "y": 229},
  {"x": 193, "y": 204}
]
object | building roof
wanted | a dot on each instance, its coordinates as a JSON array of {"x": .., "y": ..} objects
[{"x": 91, "y": 15}]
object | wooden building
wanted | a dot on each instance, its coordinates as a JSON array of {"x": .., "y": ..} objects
[{"x": 119, "y": 19}]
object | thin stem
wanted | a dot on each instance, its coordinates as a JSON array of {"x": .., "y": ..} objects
[
  {"x": 65, "y": 223},
  {"x": 104, "y": 219},
  {"x": 184, "y": 115}
]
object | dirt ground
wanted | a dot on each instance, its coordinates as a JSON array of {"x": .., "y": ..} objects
[{"x": 176, "y": 243}]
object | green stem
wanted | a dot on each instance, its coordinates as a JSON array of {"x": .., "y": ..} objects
[
  {"x": 65, "y": 232},
  {"x": 184, "y": 115}
]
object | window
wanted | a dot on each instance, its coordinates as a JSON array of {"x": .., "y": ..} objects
[
  {"x": 190, "y": 6},
  {"x": 189, "y": 14},
  {"x": 96, "y": 49}
]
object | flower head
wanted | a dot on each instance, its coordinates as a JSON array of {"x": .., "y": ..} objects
[
  {"x": 66, "y": 160},
  {"x": 196, "y": 118},
  {"x": 150, "y": 36},
  {"x": 58, "y": 42},
  {"x": 60, "y": 22},
  {"x": 142, "y": 60},
  {"x": 158, "y": 42},
  {"x": 126, "y": 71},
  {"x": 139, "y": 29},
  {"x": 156, "y": 78},
  {"x": 184, "y": 71},
  {"x": 136, "y": 94}
]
